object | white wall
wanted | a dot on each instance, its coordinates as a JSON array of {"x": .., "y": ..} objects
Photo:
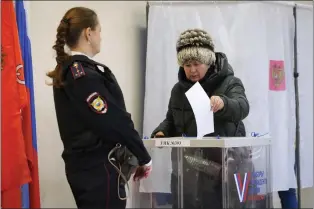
[{"x": 123, "y": 33}]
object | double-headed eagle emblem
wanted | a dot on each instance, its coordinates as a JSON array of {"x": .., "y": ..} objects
[{"x": 278, "y": 74}]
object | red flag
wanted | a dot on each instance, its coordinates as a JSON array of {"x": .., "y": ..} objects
[
  {"x": 29, "y": 119},
  {"x": 14, "y": 164}
]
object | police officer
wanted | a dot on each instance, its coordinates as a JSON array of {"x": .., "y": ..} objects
[{"x": 91, "y": 115}]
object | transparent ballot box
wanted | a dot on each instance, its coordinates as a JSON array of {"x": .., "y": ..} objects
[{"x": 208, "y": 173}]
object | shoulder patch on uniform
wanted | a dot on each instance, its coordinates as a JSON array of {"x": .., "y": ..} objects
[
  {"x": 97, "y": 103},
  {"x": 77, "y": 70}
]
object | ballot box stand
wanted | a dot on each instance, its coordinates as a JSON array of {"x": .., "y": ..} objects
[{"x": 208, "y": 173}]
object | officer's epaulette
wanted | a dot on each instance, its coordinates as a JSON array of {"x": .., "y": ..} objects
[
  {"x": 102, "y": 65},
  {"x": 77, "y": 70},
  {"x": 76, "y": 63}
]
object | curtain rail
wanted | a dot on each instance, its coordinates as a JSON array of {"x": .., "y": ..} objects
[{"x": 285, "y": 3}]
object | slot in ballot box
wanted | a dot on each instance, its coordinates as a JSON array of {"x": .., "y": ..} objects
[{"x": 208, "y": 173}]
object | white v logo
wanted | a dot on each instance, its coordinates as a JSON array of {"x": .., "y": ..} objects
[{"x": 242, "y": 186}]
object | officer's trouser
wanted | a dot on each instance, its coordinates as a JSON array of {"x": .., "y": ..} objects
[{"x": 97, "y": 188}]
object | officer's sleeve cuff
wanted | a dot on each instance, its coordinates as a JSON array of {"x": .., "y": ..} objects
[{"x": 149, "y": 164}]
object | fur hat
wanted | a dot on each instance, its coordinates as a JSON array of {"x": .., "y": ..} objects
[{"x": 195, "y": 44}]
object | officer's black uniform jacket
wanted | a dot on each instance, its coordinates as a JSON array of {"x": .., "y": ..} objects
[{"x": 91, "y": 114}]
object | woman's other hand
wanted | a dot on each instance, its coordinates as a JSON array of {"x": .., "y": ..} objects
[{"x": 159, "y": 134}]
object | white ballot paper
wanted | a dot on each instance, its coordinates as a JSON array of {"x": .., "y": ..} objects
[{"x": 201, "y": 107}]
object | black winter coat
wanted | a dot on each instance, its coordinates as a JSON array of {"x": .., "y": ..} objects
[
  {"x": 180, "y": 120},
  {"x": 218, "y": 81}
]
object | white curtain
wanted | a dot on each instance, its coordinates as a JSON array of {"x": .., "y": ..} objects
[
  {"x": 305, "y": 68},
  {"x": 251, "y": 35},
  {"x": 280, "y": 35}
]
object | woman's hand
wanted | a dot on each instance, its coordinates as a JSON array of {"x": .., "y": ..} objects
[
  {"x": 216, "y": 103},
  {"x": 159, "y": 134}
]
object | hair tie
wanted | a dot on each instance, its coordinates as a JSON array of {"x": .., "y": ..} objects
[{"x": 65, "y": 20}]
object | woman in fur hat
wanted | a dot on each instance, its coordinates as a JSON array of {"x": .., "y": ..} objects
[{"x": 200, "y": 63}]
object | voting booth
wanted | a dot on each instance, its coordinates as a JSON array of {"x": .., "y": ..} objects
[{"x": 184, "y": 177}]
